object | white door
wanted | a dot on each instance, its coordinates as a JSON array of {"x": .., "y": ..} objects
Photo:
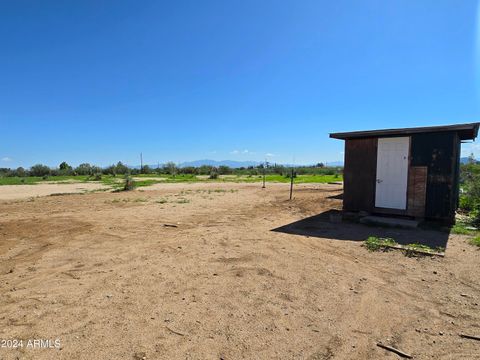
[{"x": 392, "y": 173}]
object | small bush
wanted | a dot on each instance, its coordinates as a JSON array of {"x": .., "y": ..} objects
[
  {"x": 374, "y": 243},
  {"x": 97, "y": 177},
  {"x": 129, "y": 184},
  {"x": 45, "y": 177},
  {"x": 460, "y": 229},
  {"x": 475, "y": 215},
  {"x": 39, "y": 170},
  {"x": 470, "y": 190},
  {"x": 475, "y": 241},
  {"x": 420, "y": 247},
  {"x": 415, "y": 249},
  {"x": 213, "y": 175},
  {"x": 84, "y": 169},
  {"x": 466, "y": 203}
]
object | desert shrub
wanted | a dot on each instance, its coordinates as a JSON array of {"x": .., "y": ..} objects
[
  {"x": 475, "y": 215},
  {"x": 189, "y": 170},
  {"x": 84, "y": 169},
  {"x": 279, "y": 170},
  {"x": 170, "y": 168},
  {"x": 96, "y": 170},
  {"x": 39, "y": 170},
  {"x": 146, "y": 170},
  {"x": 97, "y": 177},
  {"x": 122, "y": 169},
  {"x": 20, "y": 172},
  {"x": 64, "y": 166},
  {"x": 129, "y": 184},
  {"x": 213, "y": 175},
  {"x": 466, "y": 203},
  {"x": 109, "y": 170},
  {"x": 470, "y": 187},
  {"x": 65, "y": 169},
  {"x": 224, "y": 170},
  {"x": 67, "y": 172},
  {"x": 205, "y": 169}
]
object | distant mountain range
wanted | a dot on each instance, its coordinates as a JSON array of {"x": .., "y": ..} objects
[
  {"x": 215, "y": 163},
  {"x": 464, "y": 160},
  {"x": 238, "y": 164},
  {"x": 230, "y": 163}
]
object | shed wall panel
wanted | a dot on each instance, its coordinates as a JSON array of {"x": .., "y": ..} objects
[
  {"x": 438, "y": 152},
  {"x": 417, "y": 188},
  {"x": 360, "y": 174}
]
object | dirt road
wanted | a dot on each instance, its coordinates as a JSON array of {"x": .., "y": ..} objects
[{"x": 103, "y": 274}]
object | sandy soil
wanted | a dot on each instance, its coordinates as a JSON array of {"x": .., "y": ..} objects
[
  {"x": 10, "y": 192},
  {"x": 102, "y": 273}
]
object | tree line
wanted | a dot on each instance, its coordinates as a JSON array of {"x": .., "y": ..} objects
[{"x": 170, "y": 168}]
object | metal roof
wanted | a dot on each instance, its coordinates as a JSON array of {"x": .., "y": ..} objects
[{"x": 465, "y": 131}]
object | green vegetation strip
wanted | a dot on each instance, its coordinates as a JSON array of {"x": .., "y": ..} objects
[
  {"x": 475, "y": 241},
  {"x": 117, "y": 181},
  {"x": 374, "y": 243}
]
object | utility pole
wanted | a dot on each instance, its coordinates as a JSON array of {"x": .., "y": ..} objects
[
  {"x": 264, "y": 166},
  {"x": 141, "y": 163},
  {"x": 291, "y": 184}
]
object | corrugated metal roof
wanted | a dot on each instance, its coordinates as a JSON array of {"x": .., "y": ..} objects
[{"x": 465, "y": 131}]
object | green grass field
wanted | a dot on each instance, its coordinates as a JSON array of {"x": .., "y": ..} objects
[
  {"x": 238, "y": 178},
  {"x": 31, "y": 180},
  {"x": 154, "y": 179}
]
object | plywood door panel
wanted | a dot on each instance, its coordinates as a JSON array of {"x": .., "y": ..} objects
[{"x": 392, "y": 173}]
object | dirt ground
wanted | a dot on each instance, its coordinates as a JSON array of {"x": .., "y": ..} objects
[
  {"x": 103, "y": 274},
  {"x": 11, "y": 192}
]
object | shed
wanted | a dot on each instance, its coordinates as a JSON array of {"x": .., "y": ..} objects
[{"x": 411, "y": 171}]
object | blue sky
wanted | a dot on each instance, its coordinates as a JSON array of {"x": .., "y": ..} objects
[{"x": 102, "y": 81}]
